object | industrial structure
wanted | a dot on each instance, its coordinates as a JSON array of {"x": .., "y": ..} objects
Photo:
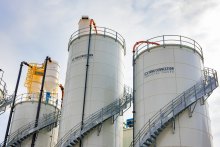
[
  {"x": 94, "y": 79},
  {"x": 23, "y": 124},
  {"x": 29, "y": 102},
  {"x": 170, "y": 88}
]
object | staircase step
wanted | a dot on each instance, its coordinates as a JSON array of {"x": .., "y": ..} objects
[
  {"x": 150, "y": 140},
  {"x": 159, "y": 129},
  {"x": 72, "y": 143},
  {"x": 166, "y": 123},
  {"x": 163, "y": 126},
  {"x": 153, "y": 136},
  {"x": 22, "y": 139},
  {"x": 147, "y": 143},
  {"x": 76, "y": 141},
  {"x": 156, "y": 132},
  {"x": 144, "y": 145}
]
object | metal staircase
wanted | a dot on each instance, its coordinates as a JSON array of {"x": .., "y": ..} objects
[
  {"x": 96, "y": 119},
  {"x": 49, "y": 120},
  {"x": 5, "y": 102},
  {"x": 200, "y": 91}
]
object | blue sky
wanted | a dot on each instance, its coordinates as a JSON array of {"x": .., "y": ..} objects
[{"x": 32, "y": 29}]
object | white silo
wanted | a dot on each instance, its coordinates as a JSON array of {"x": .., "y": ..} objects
[
  {"x": 164, "y": 68},
  {"x": 26, "y": 105},
  {"x": 103, "y": 85},
  {"x": 52, "y": 77}
]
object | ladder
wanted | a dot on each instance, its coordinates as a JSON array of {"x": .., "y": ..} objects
[
  {"x": 94, "y": 120},
  {"x": 25, "y": 131},
  {"x": 200, "y": 91}
]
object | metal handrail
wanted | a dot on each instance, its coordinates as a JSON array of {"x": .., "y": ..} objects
[
  {"x": 29, "y": 128},
  {"x": 6, "y": 101},
  {"x": 3, "y": 87},
  {"x": 100, "y": 31},
  {"x": 53, "y": 118},
  {"x": 30, "y": 97},
  {"x": 97, "y": 118},
  {"x": 3, "y": 93},
  {"x": 34, "y": 97},
  {"x": 167, "y": 40},
  {"x": 180, "y": 103}
]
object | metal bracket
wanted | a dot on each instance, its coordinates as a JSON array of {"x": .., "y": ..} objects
[
  {"x": 121, "y": 113},
  {"x": 114, "y": 118},
  {"x": 191, "y": 109},
  {"x": 173, "y": 125},
  {"x": 202, "y": 101},
  {"x": 99, "y": 128}
]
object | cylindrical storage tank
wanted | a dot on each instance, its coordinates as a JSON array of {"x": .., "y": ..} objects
[
  {"x": 52, "y": 76},
  {"x": 105, "y": 84},
  {"x": 163, "y": 69},
  {"x": 25, "y": 112}
]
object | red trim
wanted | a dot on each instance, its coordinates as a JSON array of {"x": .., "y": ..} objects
[
  {"x": 62, "y": 90},
  {"x": 92, "y": 22},
  {"x": 140, "y": 42}
]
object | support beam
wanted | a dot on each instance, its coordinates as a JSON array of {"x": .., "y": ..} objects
[
  {"x": 191, "y": 109},
  {"x": 34, "y": 137},
  {"x": 173, "y": 125}
]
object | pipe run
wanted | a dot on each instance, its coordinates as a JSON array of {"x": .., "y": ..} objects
[
  {"x": 39, "y": 102},
  {"x": 134, "y": 109},
  {"x": 141, "y": 42},
  {"x": 13, "y": 102},
  {"x": 134, "y": 115},
  {"x": 92, "y": 22},
  {"x": 86, "y": 76},
  {"x": 62, "y": 91}
]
